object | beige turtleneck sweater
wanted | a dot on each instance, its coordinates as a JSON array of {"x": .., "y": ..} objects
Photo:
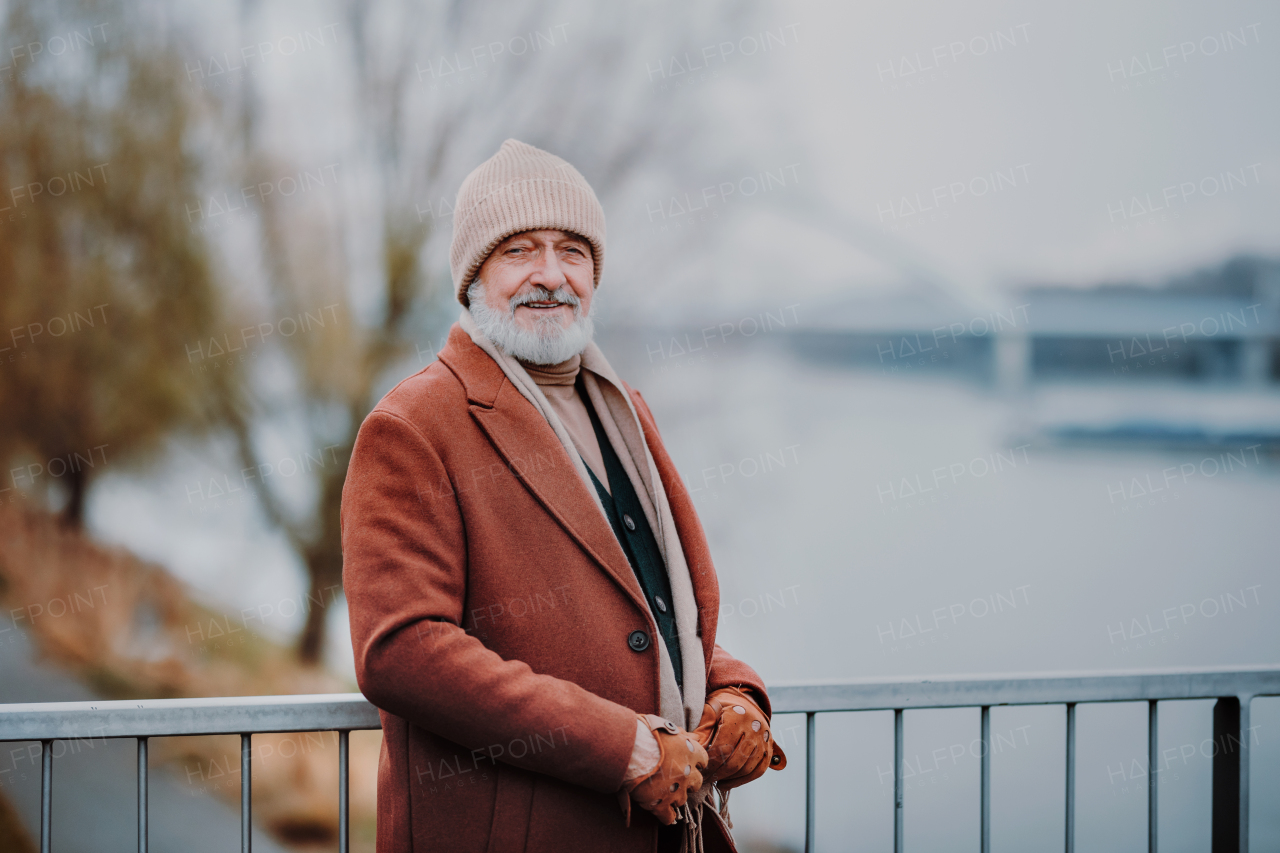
[{"x": 558, "y": 384}]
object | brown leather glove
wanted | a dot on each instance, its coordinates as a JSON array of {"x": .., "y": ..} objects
[
  {"x": 667, "y": 786},
  {"x": 736, "y": 735}
]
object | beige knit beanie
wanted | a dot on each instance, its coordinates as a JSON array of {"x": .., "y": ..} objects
[{"x": 521, "y": 188}]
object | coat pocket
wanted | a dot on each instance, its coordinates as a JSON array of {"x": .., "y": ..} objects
[{"x": 512, "y": 802}]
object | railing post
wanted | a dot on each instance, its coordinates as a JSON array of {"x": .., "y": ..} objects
[
  {"x": 985, "y": 820},
  {"x": 1242, "y": 784},
  {"x": 899, "y": 838},
  {"x": 1071, "y": 778},
  {"x": 46, "y": 795},
  {"x": 810, "y": 783},
  {"x": 142, "y": 795},
  {"x": 1231, "y": 775},
  {"x": 246, "y": 792},
  {"x": 1153, "y": 788},
  {"x": 344, "y": 792}
]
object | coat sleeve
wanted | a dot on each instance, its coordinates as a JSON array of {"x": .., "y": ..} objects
[
  {"x": 724, "y": 670},
  {"x": 405, "y": 577},
  {"x": 728, "y": 671}
]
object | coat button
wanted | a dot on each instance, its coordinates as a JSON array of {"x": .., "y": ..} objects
[
  {"x": 626, "y": 519},
  {"x": 638, "y": 641},
  {"x": 662, "y": 605}
]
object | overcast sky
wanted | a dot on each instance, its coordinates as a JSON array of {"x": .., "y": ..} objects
[
  {"x": 889, "y": 108},
  {"x": 992, "y": 143}
]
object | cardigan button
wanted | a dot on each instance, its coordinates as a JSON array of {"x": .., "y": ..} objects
[
  {"x": 662, "y": 605},
  {"x": 627, "y": 520},
  {"x": 638, "y": 641}
]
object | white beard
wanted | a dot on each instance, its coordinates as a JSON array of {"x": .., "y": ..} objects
[{"x": 548, "y": 342}]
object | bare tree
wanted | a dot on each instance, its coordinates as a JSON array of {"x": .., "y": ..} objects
[{"x": 103, "y": 283}]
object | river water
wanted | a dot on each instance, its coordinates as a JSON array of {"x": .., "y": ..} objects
[{"x": 871, "y": 526}]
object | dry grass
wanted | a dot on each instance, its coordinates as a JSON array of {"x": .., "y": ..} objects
[
  {"x": 129, "y": 629},
  {"x": 14, "y": 837}
]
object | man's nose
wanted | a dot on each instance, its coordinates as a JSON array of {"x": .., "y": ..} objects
[{"x": 548, "y": 273}]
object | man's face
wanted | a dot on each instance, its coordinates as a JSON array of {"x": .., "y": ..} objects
[{"x": 528, "y": 264}]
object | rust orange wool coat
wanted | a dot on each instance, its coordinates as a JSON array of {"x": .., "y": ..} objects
[{"x": 490, "y": 607}]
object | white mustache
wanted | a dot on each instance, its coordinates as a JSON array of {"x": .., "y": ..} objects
[{"x": 563, "y": 295}]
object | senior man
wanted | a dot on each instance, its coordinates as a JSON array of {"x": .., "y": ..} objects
[{"x": 533, "y": 604}]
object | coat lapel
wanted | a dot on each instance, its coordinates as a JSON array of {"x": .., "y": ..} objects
[{"x": 525, "y": 441}]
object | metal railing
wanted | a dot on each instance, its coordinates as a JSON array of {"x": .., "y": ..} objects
[
  {"x": 242, "y": 715},
  {"x": 1233, "y": 689}
]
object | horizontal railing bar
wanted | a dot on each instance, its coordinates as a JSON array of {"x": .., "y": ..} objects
[
  {"x": 351, "y": 711},
  {"x": 172, "y": 717},
  {"x": 1022, "y": 689}
]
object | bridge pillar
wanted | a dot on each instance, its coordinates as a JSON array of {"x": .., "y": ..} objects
[
  {"x": 1012, "y": 361},
  {"x": 1255, "y": 360}
]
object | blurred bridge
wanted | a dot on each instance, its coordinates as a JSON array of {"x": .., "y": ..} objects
[{"x": 1055, "y": 333}]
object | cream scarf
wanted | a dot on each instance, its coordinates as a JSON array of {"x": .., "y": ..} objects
[{"x": 622, "y": 425}]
